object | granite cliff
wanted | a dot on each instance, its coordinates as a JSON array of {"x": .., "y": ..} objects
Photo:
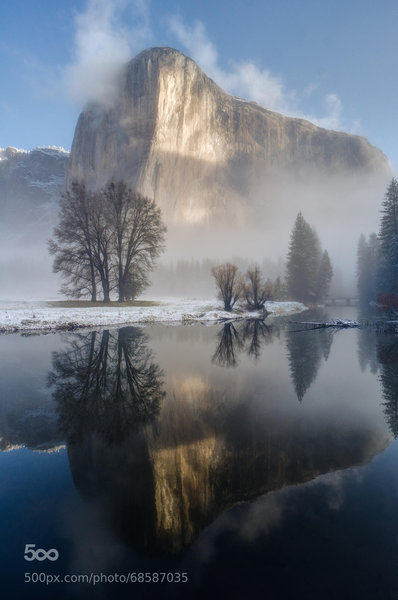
[{"x": 176, "y": 136}]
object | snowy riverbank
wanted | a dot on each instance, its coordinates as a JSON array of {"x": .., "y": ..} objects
[{"x": 33, "y": 316}]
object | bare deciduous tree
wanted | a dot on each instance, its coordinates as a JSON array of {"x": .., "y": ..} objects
[
  {"x": 73, "y": 244},
  {"x": 229, "y": 284},
  {"x": 256, "y": 291},
  {"x": 138, "y": 236},
  {"x": 109, "y": 238}
]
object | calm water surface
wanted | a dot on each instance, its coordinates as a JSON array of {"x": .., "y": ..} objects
[{"x": 257, "y": 458}]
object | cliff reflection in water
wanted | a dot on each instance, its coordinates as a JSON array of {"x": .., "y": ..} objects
[{"x": 164, "y": 454}]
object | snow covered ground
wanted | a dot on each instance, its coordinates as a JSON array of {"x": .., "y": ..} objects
[{"x": 31, "y": 316}]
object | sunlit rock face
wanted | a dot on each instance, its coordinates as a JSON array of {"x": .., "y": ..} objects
[{"x": 177, "y": 137}]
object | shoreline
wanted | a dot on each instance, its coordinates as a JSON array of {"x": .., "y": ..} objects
[{"x": 39, "y": 317}]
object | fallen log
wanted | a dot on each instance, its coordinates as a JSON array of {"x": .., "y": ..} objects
[{"x": 340, "y": 323}]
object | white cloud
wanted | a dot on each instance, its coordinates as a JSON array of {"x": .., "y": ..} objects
[
  {"x": 332, "y": 120},
  {"x": 310, "y": 89},
  {"x": 248, "y": 80},
  {"x": 245, "y": 78},
  {"x": 102, "y": 45}
]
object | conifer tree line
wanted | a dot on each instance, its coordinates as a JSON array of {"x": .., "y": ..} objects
[
  {"x": 106, "y": 242},
  {"x": 377, "y": 256}
]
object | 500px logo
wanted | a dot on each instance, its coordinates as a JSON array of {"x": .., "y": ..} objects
[{"x": 40, "y": 554}]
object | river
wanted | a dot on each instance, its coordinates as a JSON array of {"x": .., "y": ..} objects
[{"x": 248, "y": 458}]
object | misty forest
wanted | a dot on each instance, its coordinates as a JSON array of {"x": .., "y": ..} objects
[{"x": 198, "y": 326}]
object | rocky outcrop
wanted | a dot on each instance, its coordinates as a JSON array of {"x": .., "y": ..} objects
[{"x": 176, "y": 136}]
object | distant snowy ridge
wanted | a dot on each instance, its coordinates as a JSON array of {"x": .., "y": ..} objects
[
  {"x": 38, "y": 317},
  {"x": 30, "y": 180},
  {"x": 11, "y": 151}
]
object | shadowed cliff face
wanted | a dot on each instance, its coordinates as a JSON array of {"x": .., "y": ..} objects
[{"x": 199, "y": 152}]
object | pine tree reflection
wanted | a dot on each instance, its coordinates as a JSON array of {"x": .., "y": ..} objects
[
  {"x": 248, "y": 336},
  {"x": 106, "y": 383},
  {"x": 325, "y": 337},
  {"x": 305, "y": 352},
  {"x": 367, "y": 343},
  {"x": 387, "y": 353}
]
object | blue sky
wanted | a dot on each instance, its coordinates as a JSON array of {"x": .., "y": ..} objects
[{"x": 332, "y": 62}]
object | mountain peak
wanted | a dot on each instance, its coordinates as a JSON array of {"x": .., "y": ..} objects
[{"x": 176, "y": 136}]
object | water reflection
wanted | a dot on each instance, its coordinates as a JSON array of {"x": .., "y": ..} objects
[
  {"x": 367, "y": 346},
  {"x": 379, "y": 352},
  {"x": 367, "y": 350},
  {"x": 162, "y": 459},
  {"x": 248, "y": 336},
  {"x": 162, "y": 439},
  {"x": 106, "y": 383},
  {"x": 306, "y": 349},
  {"x": 387, "y": 354}
]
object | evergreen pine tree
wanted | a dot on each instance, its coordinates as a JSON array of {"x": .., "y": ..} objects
[
  {"x": 325, "y": 275},
  {"x": 388, "y": 236},
  {"x": 367, "y": 267},
  {"x": 303, "y": 261},
  {"x": 362, "y": 251}
]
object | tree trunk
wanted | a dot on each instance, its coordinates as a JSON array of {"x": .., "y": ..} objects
[
  {"x": 105, "y": 280},
  {"x": 122, "y": 295},
  {"x": 93, "y": 283}
]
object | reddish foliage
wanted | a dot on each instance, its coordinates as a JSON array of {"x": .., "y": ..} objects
[{"x": 388, "y": 302}]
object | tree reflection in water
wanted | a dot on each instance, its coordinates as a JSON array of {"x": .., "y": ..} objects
[
  {"x": 106, "y": 382},
  {"x": 248, "y": 336},
  {"x": 367, "y": 346},
  {"x": 158, "y": 472},
  {"x": 305, "y": 352},
  {"x": 387, "y": 354},
  {"x": 108, "y": 389},
  {"x": 379, "y": 351},
  {"x": 306, "y": 349}
]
